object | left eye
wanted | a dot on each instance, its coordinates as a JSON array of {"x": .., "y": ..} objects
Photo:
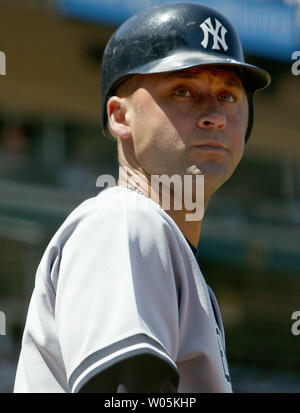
[
  {"x": 227, "y": 98},
  {"x": 182, "y": 92}
]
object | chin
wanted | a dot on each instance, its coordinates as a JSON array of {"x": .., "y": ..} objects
[
  {"x": 213, "y": 169},
  {"x": 215, "y": 177}
]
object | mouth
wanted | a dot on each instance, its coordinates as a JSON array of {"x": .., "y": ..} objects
[{"x": 212, "y": 146}]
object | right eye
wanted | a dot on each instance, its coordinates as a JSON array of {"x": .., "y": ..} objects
[{"x": 183, "y": 92}]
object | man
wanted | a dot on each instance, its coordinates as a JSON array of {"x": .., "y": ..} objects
[{"x": 120, "y": 303}]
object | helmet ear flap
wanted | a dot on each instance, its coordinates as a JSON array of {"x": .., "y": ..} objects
[{"x": 250, "y": 97}]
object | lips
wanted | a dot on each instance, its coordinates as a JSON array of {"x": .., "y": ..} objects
[{"x": 212, "y": 144}]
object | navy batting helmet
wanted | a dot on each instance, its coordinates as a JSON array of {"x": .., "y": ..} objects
[{"x": 174, "y": 37}]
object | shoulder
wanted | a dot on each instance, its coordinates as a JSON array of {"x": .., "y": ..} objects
[
  {"x": 115, "y": 218},
  {"x": 125, "y": 212},
  {"x": 116, "y": 221}
]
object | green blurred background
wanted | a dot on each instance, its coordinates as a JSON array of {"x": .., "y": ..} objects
[{"x": 52, "y": 151}]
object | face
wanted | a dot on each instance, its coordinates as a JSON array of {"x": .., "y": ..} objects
[{"x": 172, "y": 116}]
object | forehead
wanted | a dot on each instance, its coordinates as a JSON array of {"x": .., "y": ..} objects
[{"x": 225, "y": 75}]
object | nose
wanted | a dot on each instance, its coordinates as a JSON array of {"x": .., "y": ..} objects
[{"x": 212, "y": 115}]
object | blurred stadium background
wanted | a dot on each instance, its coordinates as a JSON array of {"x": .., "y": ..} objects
[{"x": 52, "y": 151}]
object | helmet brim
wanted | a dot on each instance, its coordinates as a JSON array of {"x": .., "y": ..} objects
[{"x": 258, "y": 78}]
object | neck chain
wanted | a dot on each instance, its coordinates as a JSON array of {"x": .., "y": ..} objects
[{"x": 135, "y": 189}]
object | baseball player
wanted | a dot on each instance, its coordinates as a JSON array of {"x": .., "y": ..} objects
[{"x": 120, "y": 303}]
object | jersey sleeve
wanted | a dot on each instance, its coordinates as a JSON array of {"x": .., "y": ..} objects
[
  {"x": 117, "y": 294},
  {"x": 144, "y": 373}
]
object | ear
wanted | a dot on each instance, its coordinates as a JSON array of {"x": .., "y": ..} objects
[{"x": 116, "y": 112}]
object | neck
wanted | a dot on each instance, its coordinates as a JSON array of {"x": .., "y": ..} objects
[
  {"x": 190, "y": 229},
  {"x": 188, "y": 221}
]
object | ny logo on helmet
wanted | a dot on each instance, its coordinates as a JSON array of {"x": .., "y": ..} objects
[{"x": 207, "y": 28}]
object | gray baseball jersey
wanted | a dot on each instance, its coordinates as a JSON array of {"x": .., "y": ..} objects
[{"x": 119, "y": 279}]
